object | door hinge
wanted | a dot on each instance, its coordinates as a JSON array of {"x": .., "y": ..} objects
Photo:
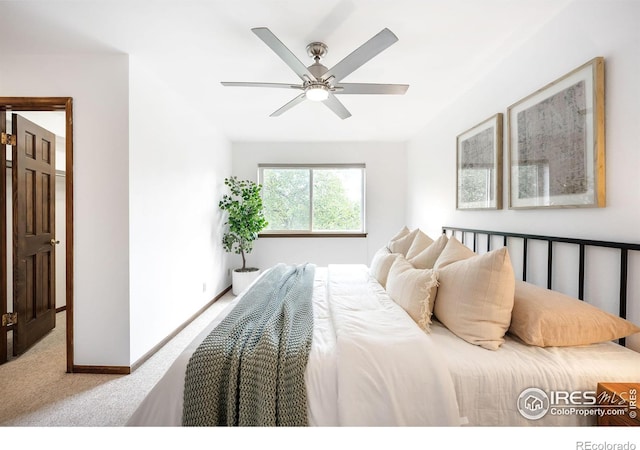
[
  {"x": 7, "y": 139},
  {"x": 9, "y": 319}
]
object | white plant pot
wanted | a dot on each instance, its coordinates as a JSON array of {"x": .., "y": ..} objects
[{"x": 241, "y": 280}]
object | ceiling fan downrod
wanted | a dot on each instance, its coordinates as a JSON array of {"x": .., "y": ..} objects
[{"x": 317, "y": 50}]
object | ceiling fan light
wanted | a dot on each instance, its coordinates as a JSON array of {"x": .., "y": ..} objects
[{"x": 317, "y": 93}]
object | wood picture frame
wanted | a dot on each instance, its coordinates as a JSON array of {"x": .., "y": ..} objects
[
  {"x": 556, "y": 139},
  {"x": 479, "y": 166}
]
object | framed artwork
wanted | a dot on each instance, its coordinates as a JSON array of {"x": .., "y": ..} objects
[
  {"x": 556, "y": 143},
  {"x": 479, "y": 166}
]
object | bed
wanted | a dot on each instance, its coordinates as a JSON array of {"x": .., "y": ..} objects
[{"x": 390, "y": 348}]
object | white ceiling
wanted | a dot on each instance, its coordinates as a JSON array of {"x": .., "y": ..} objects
[{"x": 444, "y": 47}]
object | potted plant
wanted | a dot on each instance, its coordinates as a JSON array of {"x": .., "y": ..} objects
[{"x": 246, "y": 220}]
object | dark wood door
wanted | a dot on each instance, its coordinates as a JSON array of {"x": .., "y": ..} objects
[
  {"x": 33, "y": 233},
  {"x": 3, "y": 239}
]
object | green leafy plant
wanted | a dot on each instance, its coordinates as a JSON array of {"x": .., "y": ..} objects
[{"x": 246, "y": 217}]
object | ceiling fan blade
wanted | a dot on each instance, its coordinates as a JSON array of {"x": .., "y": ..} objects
[
  {"x": 268, "y": 85},
  {"x": 334, "y": 105},
  {"x": 361, "y": 55},
  {"x": 299, "y": 99},
  {"x": 370, "y": 88},
  {"x": 283, "y": 52}
]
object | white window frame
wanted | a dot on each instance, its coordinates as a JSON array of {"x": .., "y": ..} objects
[{"x": 310, "y": 232}]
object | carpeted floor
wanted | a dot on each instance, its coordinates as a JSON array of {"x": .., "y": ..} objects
[{"x": 37, "y": 391}]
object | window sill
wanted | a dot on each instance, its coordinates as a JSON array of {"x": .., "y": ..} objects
[{"x": 312, "y": 235}]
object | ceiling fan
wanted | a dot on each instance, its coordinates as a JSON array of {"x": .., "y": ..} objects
[{"x": 321, "y": 84}]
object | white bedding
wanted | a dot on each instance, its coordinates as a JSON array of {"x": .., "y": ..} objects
[
  {"x": 362, "y": 370},
  {"x": 389, "y": 371},
  {"x": 488, "y": 383}
]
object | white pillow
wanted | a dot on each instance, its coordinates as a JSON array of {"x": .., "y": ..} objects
[
  {"x": 402, "y": 244},
  {"x": 426, "y": 259},
  {"x": 413, "y": 289},
  {"x": 475, "y": 298},
  {"x": 420, "y": 242},
  {"x": 381, "y": 264}
]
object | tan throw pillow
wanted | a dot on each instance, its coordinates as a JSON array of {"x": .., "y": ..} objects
[
  {"x": 413, "y": 289},
  {"x": 402, "y": 245},
  {"x": 475, "y": 298},
  {"x": 546, "y": 318},
  {"x": 426, "y": 259},
  {"x": 453, "y": 251},
  {"x": 381, "y": 264},
  {"x": 420, "y": 242}
]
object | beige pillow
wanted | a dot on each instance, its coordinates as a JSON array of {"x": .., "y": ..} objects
[
  {"x": 381, "y": 264},
  {"x": 402, "y": 244},
  {"x": 426, "y": 259},
  {"x": 413, "y": 289},
  {"x": 475, "y": 297},
  {"x": 420, "y": 242},
  {"x": 452, "y": 252},
  {"x": 403, "y": 232},
  {"x": 546, "y": 318}
]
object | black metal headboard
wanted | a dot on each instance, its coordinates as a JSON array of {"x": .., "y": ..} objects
[{"x": 461, "y": 234}]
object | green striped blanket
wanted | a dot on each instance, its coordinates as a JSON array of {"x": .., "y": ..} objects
[{"x": 249, "y": 371}]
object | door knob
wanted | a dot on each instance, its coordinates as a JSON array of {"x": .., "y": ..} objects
[{"x": 54, "y": 242}]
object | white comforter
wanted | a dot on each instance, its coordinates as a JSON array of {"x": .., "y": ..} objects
[
  {"x": 488, "y": 383},
  {"x": 369, "y": 365}
]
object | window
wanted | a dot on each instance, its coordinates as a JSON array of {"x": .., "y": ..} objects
[{"x": 313, "y": 199}]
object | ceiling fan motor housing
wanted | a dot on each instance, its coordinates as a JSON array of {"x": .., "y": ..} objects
[{"x": 317, "y": 70}]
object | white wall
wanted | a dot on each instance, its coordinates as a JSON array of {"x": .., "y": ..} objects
[
  {"x": 385, "y": 198},
  {"x": 178, "y": 162},
  {"x": 582, "y": 31},
  {"x": 150, "y": 193},
  {"x": 99, "y": 87},
  {"x": 147, "y": 176}
]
